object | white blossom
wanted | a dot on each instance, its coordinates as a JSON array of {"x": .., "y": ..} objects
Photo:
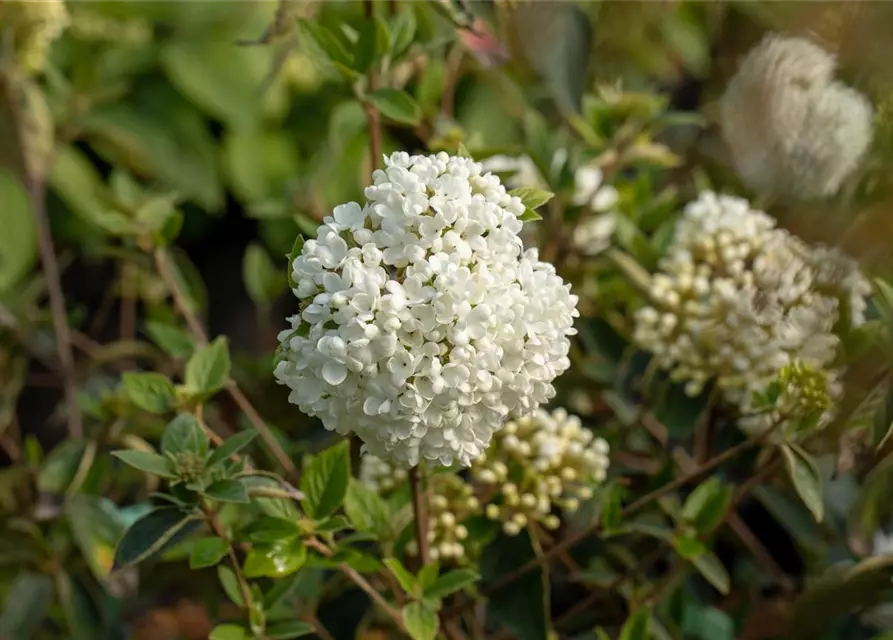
[
  {"x": 792, "y": 129},
  {"x": 737, "y": 299},
  {"x": 423, "y": 323}
]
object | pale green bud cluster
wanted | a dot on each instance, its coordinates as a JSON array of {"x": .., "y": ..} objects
[
  {"x": 538, "y": 463},
  {"x": 451, "y": 502},
  {"x": 33, "y": 27}
]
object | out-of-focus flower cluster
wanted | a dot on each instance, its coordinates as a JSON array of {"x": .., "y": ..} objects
[
  {"x": 790, "y": 127},
  {"x": 33, "y": 27},
  {"x": 535, "y": 467},
  {"x": 736, "y": 300},
  {"x": 424, "y": 325}
]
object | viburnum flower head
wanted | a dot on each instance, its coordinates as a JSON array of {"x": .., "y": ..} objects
[{"x": 423, "y": 324}]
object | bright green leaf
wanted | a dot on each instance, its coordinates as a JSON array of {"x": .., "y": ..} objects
[
  {"x": 289, "y": 629},
  {"x": 18, "y": 242},
  {"x": 705, "y": 508},
  {"x": 367, "y": 510},
  {"x": 428, "y": 575},
  {"x": 267, "y": 529},
  {"x": 324, "y": 481},
  {"x": 275, "y": 560},
  {"x": 207, "y": 552},
  {"x": 231, "y": 445},
  {"x": 150, "y": 534},
  {"x": 451, "y": 582},
  {"x": 688, "y": 546},
  {"x": 532, "y": 198},
  {"x": 396, "y": 105},
  {"x": 184, "y": 435},
  {"x": 208, "y": 368},
  {"x": 804, "y": 475},
  {"x": 230, "y": 585},
  {"x": 173, "y": 340},
  {"x": 228, "y": 632},
  {"x": 152, "y": 392},
  {"x": 227, "y": 491},
  {"x": 404, "y": 577},
  {"x": 148, "y": 462},
  {"x": 421, "y": 622},
  {"x": 530, "y": 215}
]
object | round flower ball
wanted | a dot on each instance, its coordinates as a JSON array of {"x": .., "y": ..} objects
[{"x": 424, "y": 324}]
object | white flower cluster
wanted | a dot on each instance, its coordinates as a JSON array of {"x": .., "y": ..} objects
[
  {"x": 423, "y": 323},
  {"x": 737, "y": 299},
  {"x": 537, "y": 463},
  {"x": 593, "y": 234},
  {"x": 790, "y": 127},
  {"x": 33, "y": 27}
]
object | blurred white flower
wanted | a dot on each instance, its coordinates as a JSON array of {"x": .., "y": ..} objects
[
  {"x": 790, "y": 127},
  {"x": 423, "y": 323},
  {"x": 590, "y": 191},
  {"x": 593, "y": 235},
  {"x": 737, "y": 299},
  {"x": 523, "y": 170}
]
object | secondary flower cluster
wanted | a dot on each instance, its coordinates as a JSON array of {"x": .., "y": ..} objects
[
  {"x": 33, "y": 27},
  {"x": 737, "y": 299},
  {"x": 423, "y": 323},
  {"x": 535, "y": 466},
  {"x": 790, "y": 127}
]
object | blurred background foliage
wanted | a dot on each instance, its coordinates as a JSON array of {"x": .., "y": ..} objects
[{"x": 221, "y": 130}]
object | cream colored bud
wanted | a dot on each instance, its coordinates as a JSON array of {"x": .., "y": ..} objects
[
  {"x": 461, "y": 531},
  {"x": 511, "y": 528},
  {"x": 551, "y": 522},
  {"x": 528, "y": 500},
  {"x": 473, "y": 503},
  {"x": 568, "y": 474},
  {"x": 571, "y": 505},
  {"x": 492, "y": 511},
  {"x": 439, "y": 502},
  {"x": 447, "y": 519},
  {"x": 434, "y": 553},
  {"x": 584, "y": 493},
  {"x": 520, "y": 519}
]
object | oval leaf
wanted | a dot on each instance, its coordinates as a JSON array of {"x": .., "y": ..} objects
[
  {"x": 804, "y": 475},
  {"x": 396, "y": 105},
  {"x": 152, "y": 392},
  {"x": 207, "y": 552},
  {"x": 420, "y": 621},
  {"x": 150, "y": 534},
  {"x": 325, "y": 480},
  {"x": 148, "y": 462}
]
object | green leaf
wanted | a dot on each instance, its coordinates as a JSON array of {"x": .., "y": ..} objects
[
  {"x": 151, "y": 392},
  {"x": 60, "y": 466},
  {"x": 804, "y": 475},
  {"x": 428, "y": 575},
  {"x": 184, "y": 434},
  {"x": 260, "y": 166},
  {"x": 532, "y": 198},
  {"x": 421, "y": 622},
  {"x": 713, "y": 571},
  {"x": 208, "y": 368},
  {"x": 322, "y": 44},
  {"x": 638, "y": 626},
  {"x": 288, "y": 629},
  {"x": 230, "y": 585},
  {"x": 707, "y": 623},
  {"x": 96, "y": 527},
  {"x": 150, "y": 534},
  {"x": 522, "y": 605},
  {"x": 207, "y": 552},
  {"x": 148, "y": 462},
  {"x": 367, "y": 510},
  {"x": 402, "y": 31},
  {"x": 404, "y": 577},
  {"x": 30, "y": 596},
  {"x": 705, "y": 508},
  {"x": 268, "y": 529},
  {"x": 276, "y": 560},
  {"x": 324, "y": 481},
  {"x": 451, "y": 582},
  {"x": 262, "y": 279},
  {"x": 373, "y": 37},
  {"x": 688, "y": 546},
  {"x": 231, "y": 445},
  {"x": 173, "y": 340},
  {"x": 227, "y": 491},
  {"x": 228, "y": 632},
  {"x": 396, "y": 105},
  {"x": 530, "y": 215},
  {"x": 18, "y": 242}
]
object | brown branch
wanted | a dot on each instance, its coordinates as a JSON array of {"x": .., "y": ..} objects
[
  {"x": 421, "y": 514},
  {"x": 199, "y": 334}
]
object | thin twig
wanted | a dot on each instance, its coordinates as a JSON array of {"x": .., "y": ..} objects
[
  {"x": 420, "y": 512},
  {"x": 199, "y": 334}
]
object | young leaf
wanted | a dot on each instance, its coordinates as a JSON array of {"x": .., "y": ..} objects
[
  {"x": 404, "y": 577},
  {"x": 230, "y": 585},
  {"x": 705, "y": 508},
  {"x": 148, "y": 462},
  {"x": 428, "y": 575},
  {"x": 367, "y": 510},
  {"x": 805, "y": 477},
  {"x": 688, "y": 546},
  {"x": 230, "y": 446},
  {"x": 275, "y": 560},
  {"x": 227, "y": 491},
  {"x": 150, "y": 534},
  {"x": 207, "y": 552},
  {"x": 713, "y": 571},
  {"x": 152, "y": 392},
  {"x": 173, "y": 340},
  {"x": 530, "y": 215},
  {"x": 183, "y": 434},
  {"x": 288, "y": 629},
  {"x": 228, "y": 632},
  {"x": 325, "y": 480},
  {"x": 396, "y": 105},
  {"x": 420, "y": 621},
  {"x": 402, "y": 31},
  {"x": 451, "y": 582},
  {"x": 638, "y": 626},
  {"x": 208, "y": 368},
  {"x": 532, "y": 198}
]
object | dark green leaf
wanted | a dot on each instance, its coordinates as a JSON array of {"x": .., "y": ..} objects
[
  {"x": 396, "y": 105},
  {"x": 228, "y": 632},
  {"x": 208, "y": 368},
  {"x": 148, "y": 462},
  {"x": 173, "y": 340},
  {"x": 402, "y": 31},
  {"x": 404, "y": 577},
  {"x": 420, "y": 621},
  {"x": 532, "y": 198},
  {"x": 324, "y": 481},
  {"x": 366, "y": 50},
  {"x": 150, "y": 534},
  {"x": 367, "y": 510},
  {"x": 184, "y": 435},
  {"x": 96, "y": 526},
  {"x": 263, "y": 280},
  {"x": 227, "y": 491},
  {"x": 451, "y": 582},
  {"x": 288, "y": 629},
  {"x": 705, "y": 508},
  {"x": 29, "y": 598},
  {"x": 231, "y": 445},
  {"x": 207, "y": 552},
  {"x": 707, "y": 623},
  {"x": 60, "y": 466},
  {"x": 713, "y": 571},
  {"x": 230, "y": 585},
  {"x": 18, "y": 242},
  {"x": 638, "y": 626},
  {"x": 152, "y": 392},
  {"x": 275, "y": 560},
  {"x": 688, "y": 546},
  {"x": 805, "y": 477},
  {"x": 520, "y": 606}
]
